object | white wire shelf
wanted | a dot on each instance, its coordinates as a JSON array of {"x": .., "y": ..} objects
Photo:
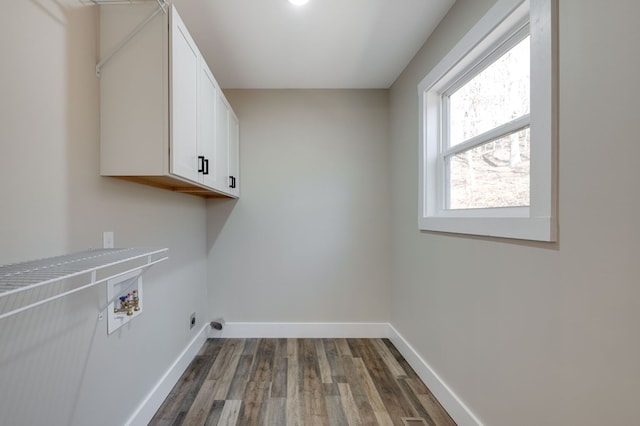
[
  {"x": 83, "y": 269},
  {"x": 127, "y": 2}
]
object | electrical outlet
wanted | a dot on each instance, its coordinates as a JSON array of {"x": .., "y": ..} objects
[
  {"x": 192, "y": 320},
  {"x": 107, "y": 239}
]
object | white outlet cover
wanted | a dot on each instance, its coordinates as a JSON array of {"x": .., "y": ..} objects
[{"x": 107, "y": 239}]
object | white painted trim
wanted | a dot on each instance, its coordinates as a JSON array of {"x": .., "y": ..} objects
[
  {"x": 302, "y": 330},
  {"x": 154, "y": 399},
  {"x": 456, "y": 408}
]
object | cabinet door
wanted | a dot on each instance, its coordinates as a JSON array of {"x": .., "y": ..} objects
[
  {"x": 207, "y": 126},
  {"x": 183, "y": 100},
  {"x": 222, "y": 143},
  {"x": 234, "y": 154}
]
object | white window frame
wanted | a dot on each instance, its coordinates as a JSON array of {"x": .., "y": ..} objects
[{"x": 538, "y": 221}]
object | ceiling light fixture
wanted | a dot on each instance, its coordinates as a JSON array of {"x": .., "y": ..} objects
[{"x": 298, "y": 2}]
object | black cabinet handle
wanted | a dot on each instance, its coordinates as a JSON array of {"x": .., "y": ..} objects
[
  {"x": 200, "y": 163},
  {"x": 232, "y": 182},
  {"x": 205, "y": 169}
]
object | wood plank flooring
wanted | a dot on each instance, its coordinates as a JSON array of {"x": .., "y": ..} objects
[{"x": 278, "y": 382}]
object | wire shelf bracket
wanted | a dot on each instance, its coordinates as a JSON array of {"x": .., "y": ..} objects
[
  {"x": 162, "y": 7},
  {"x": 83, "y": 266}
]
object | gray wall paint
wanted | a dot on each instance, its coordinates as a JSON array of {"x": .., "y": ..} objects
[
  {"x": 308, "y": 241},
  {"x": 57, "y": 365},
  {"x": 530, "y": 333}
]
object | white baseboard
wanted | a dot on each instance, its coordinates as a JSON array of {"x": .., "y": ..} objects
[
  {"x": 302, "y": 330},
  {"x": 443, "y": 393},
  {"x": 154, "y": 399}
]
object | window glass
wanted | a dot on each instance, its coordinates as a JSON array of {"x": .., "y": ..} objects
[
  {"x": 492, "y": 97},
  {"x": 495, "y": 174}
]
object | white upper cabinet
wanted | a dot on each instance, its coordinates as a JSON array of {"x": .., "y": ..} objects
[
  {"x": 207, "y": 126},
  {"x": 227, "y": 147},
  {"x": 222, "y": 146},
  {"x": 160, "y": 106},
  {"x": 234, "y": 154},
  {"x": 184, "y": 64}
]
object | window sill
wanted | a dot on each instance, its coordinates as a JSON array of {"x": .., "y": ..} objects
[{"x": 523, "y": 228}]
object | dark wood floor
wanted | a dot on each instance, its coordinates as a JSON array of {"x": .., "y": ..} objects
[{"x": 275, "y": 382}]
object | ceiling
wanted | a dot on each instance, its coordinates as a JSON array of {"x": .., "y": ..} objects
[{"x": 336, "y": 44}]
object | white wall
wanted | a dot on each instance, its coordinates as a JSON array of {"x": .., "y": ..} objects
[
  {"x": 57, "y": 364},
  {"x": 529, "y": 333},
  {"x": 308, "y": 240}
]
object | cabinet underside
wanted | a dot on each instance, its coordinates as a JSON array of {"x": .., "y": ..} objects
[{"x": 174, "y": 184}]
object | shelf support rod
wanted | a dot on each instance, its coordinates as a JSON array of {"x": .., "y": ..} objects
[
  {"x": 162, "y": 4},
  {"x": 161, "y": 8}
]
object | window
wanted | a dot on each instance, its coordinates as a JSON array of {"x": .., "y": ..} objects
[{"x": 488, "y": 128}]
